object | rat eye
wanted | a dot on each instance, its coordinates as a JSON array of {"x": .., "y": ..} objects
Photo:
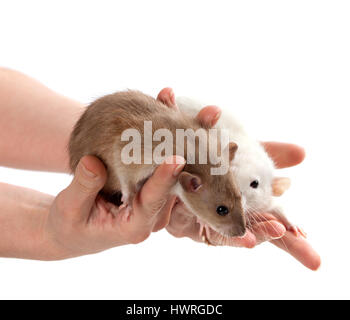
[
  {"x": 254, "y": 184},
  {"x": 222, "y": 211}
]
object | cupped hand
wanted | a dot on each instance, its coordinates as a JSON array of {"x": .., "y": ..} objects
[
  {"x": 267, "y": 228},
  {"x": 81, "y": 222}
]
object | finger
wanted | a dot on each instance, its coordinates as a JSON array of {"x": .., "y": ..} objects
[
  {"x": 268, "y": 230},
  {"x": 163, "y": 217},
  {"x": 284, "y": 154},
  {"x": 182, "y": 222},
  {"x": 262, "y": 217},
  {"x": 280, "y": 186},
  {"x": 90, "y": 177},
  {"x": 247, "y": 241},
  {"x": 300, "y": 249},
  {"x": 154, "y": 194},
  {"x": 209, "y": 116},
  {"x": 167, "y": 96}
]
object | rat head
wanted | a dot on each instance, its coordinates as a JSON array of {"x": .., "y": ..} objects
[
  {"x": 253, "y": 173},
  {"x": 214, "y": 199}
]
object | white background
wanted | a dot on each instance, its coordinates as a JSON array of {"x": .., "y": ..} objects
[{"x": 282, "y": 66}]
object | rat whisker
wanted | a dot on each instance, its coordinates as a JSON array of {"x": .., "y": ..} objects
[{"x": 269, "y": 222}]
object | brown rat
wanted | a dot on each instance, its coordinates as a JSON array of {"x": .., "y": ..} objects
[{"x": 214, "y": 199}]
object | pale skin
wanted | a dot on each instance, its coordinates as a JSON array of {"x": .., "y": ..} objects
[{"x": 35, "y": 124}]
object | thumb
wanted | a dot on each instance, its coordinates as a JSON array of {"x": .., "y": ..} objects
[
  {"x": 155, "y": 192},
  {"x": 90, "y": 177}
]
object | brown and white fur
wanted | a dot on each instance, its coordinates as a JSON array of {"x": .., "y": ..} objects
[
  {"x": 251, "y": 163},
  {"x": 98, "y": 133}
]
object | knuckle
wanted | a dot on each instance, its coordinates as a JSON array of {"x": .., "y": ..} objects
[{"x": 85, "y": 186}]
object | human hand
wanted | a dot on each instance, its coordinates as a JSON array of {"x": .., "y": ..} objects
[
  {"x": 266, "y": 227},
  {"x": 81, "y": 222}
]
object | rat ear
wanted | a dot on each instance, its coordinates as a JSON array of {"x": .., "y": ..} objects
[
  {"x": 190, "y": 182},
  {"x": 279, "y": 186},
  {"x": 232, "y": 148}
]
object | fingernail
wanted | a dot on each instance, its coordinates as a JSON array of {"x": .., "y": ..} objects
[
  {"x": 180, "y": 161},
  {"x": 172, "y": 97},
  {"x": 275, "y": 238},
  {"x": 216, "y": 118},
  {"x": 88, "y": 172},
  {"x": 178, "y": 169}
]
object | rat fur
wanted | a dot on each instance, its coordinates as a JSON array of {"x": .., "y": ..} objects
[
  {"x": 99, "y": 130},
  {"x": 252, "y": 167}
]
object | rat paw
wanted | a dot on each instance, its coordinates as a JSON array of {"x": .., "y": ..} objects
[
  {"x": 204, "y": 232},
  {"x": 125, "y": 211},
  {"x": 297, "y": 231},
  {"x": 125, "y": 200},
  {"x": 125, "y": 208}
]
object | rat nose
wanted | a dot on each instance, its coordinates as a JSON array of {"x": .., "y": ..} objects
[
  {"x": 241, "y": 230},
  {"x": 238, "y": 229},
  {"x": 239, "y": 221}
]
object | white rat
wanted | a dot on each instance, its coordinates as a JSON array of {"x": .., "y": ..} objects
[{"x": 253, "y": 169}]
